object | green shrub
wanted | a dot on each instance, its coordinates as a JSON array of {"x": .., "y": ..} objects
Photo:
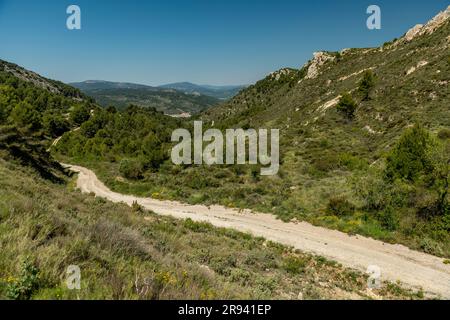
[
  {"x": 388, "y": 219},
  {"x": 430, "y": 246},
  {"x": 340, "y": 206},
  {"x": 79, "y": 114},
  {"x": 131, "y": 168},
  {"x": 347, "y": 105},
  {"x": 444, "y": 134},
  {"x": 294, "y": 265},
  {"x": 26, "y": 284},
  {"x": 366, "y": 84},
  {"x": 25, "y": 115},
  {"x": 55, "y": 125},
  {"x": 352, "y": 162},
  {"x": 409, "y": 158},
  {"x": 326, "y": 162}
]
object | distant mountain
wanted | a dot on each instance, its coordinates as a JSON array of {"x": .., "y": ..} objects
[
  {"x": 219, "y": 92},
  {"x": 102, "y": 85},
  {"x": 167, "y": 100}
]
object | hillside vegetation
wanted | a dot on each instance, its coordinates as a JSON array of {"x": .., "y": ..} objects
[
  {"x": 166, "y": 100},
  {"x": 128, "y": 253},
  {"x": 123, "y": 252},
  {"x": 364, "y": 144}
]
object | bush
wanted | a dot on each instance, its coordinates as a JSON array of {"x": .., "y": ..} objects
[
  {"x": 24, "y": 115},
  {"x": 80, "y": 114},
  {"x": 388, "y": 219},
  {"x": 55, "y": 125},
  {"x": 131, "y": 168},
  {"x": 23, "y": 288},
  {"x": 136, "y": 207},
  {"x": 409, "y": 158},
  {"x": 366, "y": 84},
  {"x": 430, "y": 246},
  {"x": 326, "y": 162},
  {"x": 347, "y": 105},
  {"x": 444, "y": 134},
  {"x": 352, "y": 162},
  {"x": 294, "y": 265},
  {"x": 339, "y": 206}
]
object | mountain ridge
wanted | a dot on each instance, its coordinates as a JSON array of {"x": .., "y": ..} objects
[
  {"x": 122, "y": 94},
  {"x": 224, "y": 92}
]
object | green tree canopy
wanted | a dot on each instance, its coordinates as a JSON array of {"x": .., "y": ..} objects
[
  {"x": 80, "y": 113},
  {"x": 347, "y": 105},
  {"x": 408, "y": 160},
  {"x": 367, "y": 84},
  {"x": 25, "y": 116}
]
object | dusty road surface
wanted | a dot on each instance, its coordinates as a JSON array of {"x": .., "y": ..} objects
[{"x": 412, "y": 268}]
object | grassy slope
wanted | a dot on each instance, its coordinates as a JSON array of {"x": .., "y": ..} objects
[
  {"x": 323, "y": 155},
  {"x": 120, "y": 249}
]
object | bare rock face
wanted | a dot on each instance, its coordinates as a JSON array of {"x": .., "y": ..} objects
[
  {"x": 430, "y": 27},
  {"x": 437, "y": 21},
  {"x": 276, "y": 75},
  {"x": 413, "y": 32},
  {"x": 30, "y": 76},
  {"x": 320, "y": 58}
]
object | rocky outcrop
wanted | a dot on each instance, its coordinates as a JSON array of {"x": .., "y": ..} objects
[
  {"x": 413, "y": 32},
  {"x": 320, "y": 58},
  {"x": 430, "y": 27},
  {"x": 420, "y": 64},
  {"x": 276, "y": 75},
  {"x": 30, "y": 76}
]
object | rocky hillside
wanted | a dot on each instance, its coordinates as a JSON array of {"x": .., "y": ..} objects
[
  {"x": 38, "y": 81},
  {"x": 123, "y": 252},
  {"x": 364, "y": 144},
  {"x": 412, "y": 77}
]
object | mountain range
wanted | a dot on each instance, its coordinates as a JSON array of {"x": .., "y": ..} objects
[
  {"x": 219, "y": 92},
  {"x": 182, "y": 98},
  {"x": 167, "y": 100}
]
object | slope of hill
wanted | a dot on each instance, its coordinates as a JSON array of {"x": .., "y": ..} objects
[
  {"x": 123, "y": 252},
  {"x": 40, "y": 82},
  {"x": 370, "y": 171},
  {"x": 130, "y": 253},
  {"x": 219, "y": 92},
  {"x": 169, "y": 101},
  {"x": 39, "y": 107}
]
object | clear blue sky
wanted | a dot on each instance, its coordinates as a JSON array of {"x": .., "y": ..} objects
[{"x": 202, "y": 41}]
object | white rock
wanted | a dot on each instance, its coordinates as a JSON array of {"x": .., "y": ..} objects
[{"x": 320, "y": 58}]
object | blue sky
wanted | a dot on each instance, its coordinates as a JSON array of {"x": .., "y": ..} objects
[{"x": 202, "y": 41}]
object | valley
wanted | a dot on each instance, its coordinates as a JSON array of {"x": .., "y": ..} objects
[
  {"x": 88, "y": 178},
  {"x": 344, "y": 163}
]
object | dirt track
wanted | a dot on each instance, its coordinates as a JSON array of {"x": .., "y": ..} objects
[{"x": 412, "y": 268}]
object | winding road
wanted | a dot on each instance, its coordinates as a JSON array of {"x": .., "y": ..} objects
[{"x": 398, "y": 263}]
